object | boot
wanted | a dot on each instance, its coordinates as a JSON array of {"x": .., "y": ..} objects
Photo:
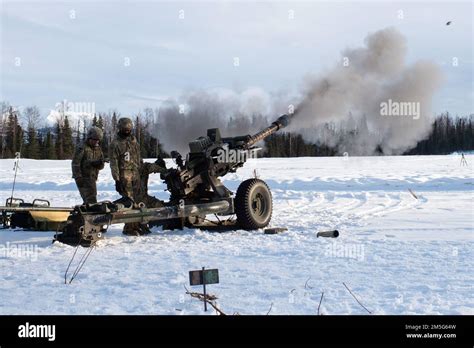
[
  {"x": 132, "y": 229},
  {"x": 144, "y": 229}
]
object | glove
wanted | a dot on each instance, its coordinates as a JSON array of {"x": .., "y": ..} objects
[{"x": 97, "y": 163}]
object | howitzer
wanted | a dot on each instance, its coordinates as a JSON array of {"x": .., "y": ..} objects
[
  {"x": 211, "y": 157},
  {"x": 195, "y": 191},
  {"x": 197, "y": 179}
]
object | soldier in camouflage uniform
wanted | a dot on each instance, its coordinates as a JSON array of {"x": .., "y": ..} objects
[
  {"x": 145, "y": 170},
  {"x": 86, "y": 164},
  {"x": 125, "y": 164},
  {"x": 125, "y": 160}
]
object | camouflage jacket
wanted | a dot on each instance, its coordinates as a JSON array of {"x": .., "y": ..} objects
[
  {"x": 124, "y": 155},
  {"x": 145, "y": 170},
  {"x": 87, "y": 162}
]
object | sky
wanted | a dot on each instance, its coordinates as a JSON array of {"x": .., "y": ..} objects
[{"x": 128, "y": 55}]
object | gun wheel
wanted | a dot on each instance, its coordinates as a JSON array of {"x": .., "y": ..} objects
[{"x": 253, "y": 204}]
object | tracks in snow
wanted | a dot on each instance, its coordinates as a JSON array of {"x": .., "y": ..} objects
[{"x": 342, "y": 208}]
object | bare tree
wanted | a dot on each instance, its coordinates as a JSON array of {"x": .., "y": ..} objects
[
  {"x": 4, "y": 107},
  {"x": 31, "y": 116}
]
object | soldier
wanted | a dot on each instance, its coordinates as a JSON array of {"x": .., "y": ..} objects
[
  {"x": 145, "y": 170},
  {"x": 86, "y": 164},
  {"x": 125, "y": 164}
]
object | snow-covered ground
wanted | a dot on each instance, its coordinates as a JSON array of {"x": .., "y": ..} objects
[{"x": 397, "y": 254}]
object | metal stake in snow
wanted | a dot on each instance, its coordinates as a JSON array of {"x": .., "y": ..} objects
[
  {"x": 203, "y": 277},
  {"x": 15, "y": 168}
]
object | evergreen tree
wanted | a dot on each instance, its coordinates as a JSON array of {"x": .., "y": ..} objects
[
  {"x": 14, "y": 134},
  {"x": 59, "y": 140},
  {"x": 49, "y": 148},
  {"x": 78, "y": 134},
  {"x": 68, "y": 145},
  {"x": 19, "y": 138},
  {"x": 140, "y": 132},
  {"x": 114, "y": 123},
  {"x": 94, "y": 121},
  {"x": 32, "y": 147},
  {"x": 100, "y": 122}
]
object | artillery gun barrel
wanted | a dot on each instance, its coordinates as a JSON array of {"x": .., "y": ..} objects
[
  {"x": 28, "y": 209},
  {"x": 146, "y": 215},
  {"x": 280, "y": 123}
]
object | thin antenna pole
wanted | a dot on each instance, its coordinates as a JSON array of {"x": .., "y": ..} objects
[{"x": 15, "y": 167}]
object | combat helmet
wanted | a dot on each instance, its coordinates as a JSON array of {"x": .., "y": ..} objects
[
  {"x": 125, "y": 124},
  {"x": 95, "y": 133}
]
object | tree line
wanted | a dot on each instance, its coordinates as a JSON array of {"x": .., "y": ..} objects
[
  {"x": 448, "y": 134},
  {"x": 20, "y": 132}
]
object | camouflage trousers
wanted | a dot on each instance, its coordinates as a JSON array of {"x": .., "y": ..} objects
[
  {"x": 88, "y": 190},
  {"x": 130, "y": 184},
  {"x": 130, "y": 187}
]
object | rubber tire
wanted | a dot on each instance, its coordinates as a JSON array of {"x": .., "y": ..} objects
[{"x": 247, "y": 217}]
